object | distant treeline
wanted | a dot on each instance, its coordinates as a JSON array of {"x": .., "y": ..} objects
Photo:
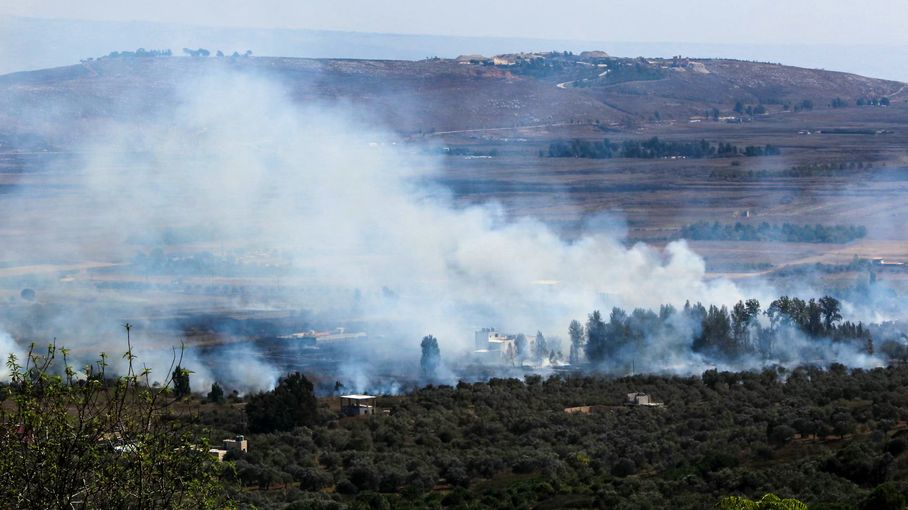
[
  {"x": 872, "y": 101},
  {"x": 861, "y": 101},
  {"x": 840, "y": 169},
  {"x": 787, "y": 232},
  {"x": 718, "y": 333},
  {"x": 141, "y": 52},
  {"x": 653, "y": 148},
  {"x": 856, "y": 265},
  {"x": 465, "y": 151}
]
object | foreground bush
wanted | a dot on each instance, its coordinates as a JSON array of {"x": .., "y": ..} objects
[{"x": 84, "y": 439}]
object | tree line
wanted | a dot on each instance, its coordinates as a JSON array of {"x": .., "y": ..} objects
[
  {"x": 652, "y": 148},
  {"x": 787, "y": 232},
  {"x": 140, "y": 53},
  {"x": 717, "y": 332}
]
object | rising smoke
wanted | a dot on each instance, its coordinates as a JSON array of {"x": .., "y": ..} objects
[{"x": 345, "y": 221}]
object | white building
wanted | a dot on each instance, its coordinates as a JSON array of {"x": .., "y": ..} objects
[
  {"x": 641, "y": 399},
  {"x": 493, "y": 348},
  {"x": 238, "y": 445},
  {"x": 358, "y": 405}
]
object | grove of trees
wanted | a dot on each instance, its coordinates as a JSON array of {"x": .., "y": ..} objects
[
  {"x": 828, "y": 438},
  {"x": 721, "y": 334},
  {"x": 652, "y": 148},
  {"x": 786, "y": 232}
]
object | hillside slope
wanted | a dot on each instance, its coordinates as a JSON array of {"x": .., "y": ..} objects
[{"x": 431, "y": 95}]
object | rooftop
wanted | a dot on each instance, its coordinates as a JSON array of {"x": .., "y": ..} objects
[{"x": 358, "y": 397}]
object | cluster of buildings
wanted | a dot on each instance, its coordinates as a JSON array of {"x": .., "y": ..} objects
[{"x": 510, "y": 59}]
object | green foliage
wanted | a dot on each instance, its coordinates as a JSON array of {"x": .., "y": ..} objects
[
  {"x": 887, "y": 496},
  {"x": 757, "y": 151},
  {"x": 596, "y": 348},
  {"x": 767, "y": 502},
  {"x": 180, "y": 378},
  {"x": 787, "y": 232},
  {"x": 839, "y": 103},
  {"x": 216, "y": 395},
  {"x": 430, "y": 358},
  {"x": 575, "y": 332},
  {"x": 720, "y": 333},
  {"x": 140, "y": 53},
  {"x": 805, "y": 104},
  {"x": 653, "y": 148},
  {"x": 87, "y": 439},
  {"x": 508, "y": 443},
  {"x": 201, "y": 52},
  {"x": 540, "y": 347},
  {"x": 290, "y": 404}
]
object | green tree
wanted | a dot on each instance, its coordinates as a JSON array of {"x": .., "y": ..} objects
[
  {"x": 831, "y": 310},
  {"x": 740, "y": 319},
  {"x": 216, "y": 395},
  {"x": 595, "y": 337},
  {"x": 431, "y": 357},
  {"x": 540, "y": 348},
  {"x": 575, "y": 331},
  {"x": 180, "y": 379},
  {"x": 290, "y": 404},
  {"x": 88, "y": 439},
  {"x": 767, "y": 502},
  {"x": 521, "y": 344}
]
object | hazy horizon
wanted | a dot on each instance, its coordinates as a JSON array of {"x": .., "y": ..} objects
[{"x": 36, "y": 43}]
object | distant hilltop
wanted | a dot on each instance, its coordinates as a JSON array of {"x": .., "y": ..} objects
[{"x": 451, "y": 95}]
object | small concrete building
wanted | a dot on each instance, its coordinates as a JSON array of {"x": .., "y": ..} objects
[
  {"x": 640, "y": 399},
  {"x": 637, "y": 399},
  {"x": 485, "y": 337},
  {"x": 358, "y": 405},
  {"x": 237, "y": 444}
]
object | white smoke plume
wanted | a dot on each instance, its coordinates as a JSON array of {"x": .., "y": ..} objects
[{"x": 345, "y": 210}]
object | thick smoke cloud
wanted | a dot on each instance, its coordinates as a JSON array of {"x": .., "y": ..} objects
[{"x": 349, "y": 222}]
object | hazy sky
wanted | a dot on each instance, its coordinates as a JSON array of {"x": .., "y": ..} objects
[{"x": 704, "y": 21}]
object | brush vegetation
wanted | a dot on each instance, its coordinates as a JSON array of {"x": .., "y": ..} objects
[
  {"x": 834, "y": 438},
  {"x": 85, "y": 439},
  {"x": 765, "y": 232}
]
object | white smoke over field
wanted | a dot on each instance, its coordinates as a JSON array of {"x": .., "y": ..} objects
[
  {"x": 244, "y": 168},
  {"x": 8, "y": 347}
]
